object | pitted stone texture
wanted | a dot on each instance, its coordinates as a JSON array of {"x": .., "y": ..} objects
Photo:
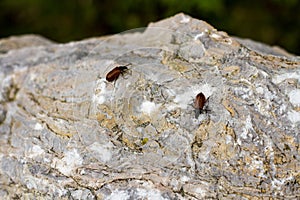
[{"x": 67, "y": 133}]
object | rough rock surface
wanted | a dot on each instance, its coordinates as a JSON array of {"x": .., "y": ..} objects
[{"x": 67, "y": 133}]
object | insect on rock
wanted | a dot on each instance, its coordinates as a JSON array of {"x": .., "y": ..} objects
[
  {"x": 114, "y": 74},
  {"x": 199, "y": 104}
]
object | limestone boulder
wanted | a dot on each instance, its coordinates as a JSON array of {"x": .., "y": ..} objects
[{"x": 68, "y": 133}]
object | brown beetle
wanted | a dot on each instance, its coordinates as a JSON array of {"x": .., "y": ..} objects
[
  {"x": 199, "y": 103},
  {"x": 115, "y": 73}
]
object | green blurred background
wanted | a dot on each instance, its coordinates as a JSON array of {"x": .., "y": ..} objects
[{"x": 275, "y": 22}]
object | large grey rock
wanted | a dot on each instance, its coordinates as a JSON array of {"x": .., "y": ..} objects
[{"x": 67, "y": 133}]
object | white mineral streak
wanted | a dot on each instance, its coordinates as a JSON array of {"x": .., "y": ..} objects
[
  {"x": 35, "y": 151},
  {"x": 205, "y": 156},
  {"x": 281, "y": 77},
  {"x": 118, "y": 195},
  {"x": 260, "y": 90},
  {"x": 149, "y": 194},
  {"x": 294, "y": 116},
  {"x": 68, "y": 163},
  {"x": 199, "y": 35},
  {"x": 102, "y": 150},
  {"x": 33, "y": 76},
  {"x": 101, "y": 92},
  {"x": 141, "y": 193},
  {"x": 185, "y": 19},
  {"x": 229, "y": 139},
  {"x": 43, "y": 185},
  {"x": 248, "y": 126},
  {"x": 257, "y": 164},
  {"x": 215, "y": 36},
  {"x": 265, "y": 74},
  {"x": 184, "y": 179},
  {"x": 294, "y": 96},
  {"x": 278, "y": 183},
  {"x": 269, "y": 152},
  {"x": 148, "y": 107},
  {"x": 201, "y": 192},
  {"x": 38, "y": 127}
]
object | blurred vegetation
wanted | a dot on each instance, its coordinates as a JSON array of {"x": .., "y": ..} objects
[{"x": 276, "y": 22}]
